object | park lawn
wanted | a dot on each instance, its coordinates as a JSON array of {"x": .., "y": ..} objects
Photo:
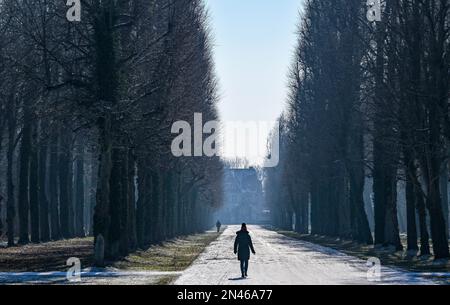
[
  {"x": 173, "y": 255},
  {"x": 45, "y": 257}
]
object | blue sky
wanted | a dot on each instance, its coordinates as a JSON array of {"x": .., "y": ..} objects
[
  {"x": 254, "y": 41},
  {"x": 253, "y": 45}
]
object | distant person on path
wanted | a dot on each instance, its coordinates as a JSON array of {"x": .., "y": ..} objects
[
  {"x": 242, "y": 246},
  {"x": 218, "y": 225}
]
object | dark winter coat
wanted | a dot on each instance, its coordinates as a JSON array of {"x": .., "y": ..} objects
[{"x": 242, "y": 245}]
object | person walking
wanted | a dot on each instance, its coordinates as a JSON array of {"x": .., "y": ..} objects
[
  {"x": 218, "y": 225},
  {"x": 242, "y": 246}
]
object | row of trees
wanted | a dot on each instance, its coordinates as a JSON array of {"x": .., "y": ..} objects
[
  {"x": 369, "y": 105},
  {"x": 87, "y": 109}
]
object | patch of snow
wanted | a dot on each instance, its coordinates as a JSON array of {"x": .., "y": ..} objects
[{"x": 90, "y": 275}]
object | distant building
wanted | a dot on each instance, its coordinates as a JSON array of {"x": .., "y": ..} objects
[{"x": 243, "y": 198}]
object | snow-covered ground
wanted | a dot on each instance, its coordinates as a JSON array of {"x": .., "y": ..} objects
[
  {"x": 281, "y": 260},
  {"x": 88, "y": 277}
]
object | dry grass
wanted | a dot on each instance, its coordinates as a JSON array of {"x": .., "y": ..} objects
[
  {"x": 165, "y": 280},
  {"x": 174, "y": 255},
  {"x": 44, "y": 257}
]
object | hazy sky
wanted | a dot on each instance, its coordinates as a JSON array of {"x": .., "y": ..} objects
[{"x": 254, "y": 41}]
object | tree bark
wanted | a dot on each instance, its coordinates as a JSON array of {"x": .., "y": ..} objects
[
  {"x": 34, "y": 188},
  {"x": 79, "y": 191},
  {"x": 42, "y": 178},
  {"x": 132, "y": 238},
  {"x": 411, "y": 204},
  {"x": 102, "y": 218},
  {"x": 140, "y": 204},
  {"x": 24, "y": 178},
  {"x": 360, "y": 225},
  {"x": 11, "y": 203},
  {"x": 107, "y": 82},
  {"x": 55, "y": 233},
  {"x": 444, "y": 193},
  {"x": 118, "y": 237},
  {"x": 65, "y": 181},
  {"x": 423, "y": 226},
  {"x": 2, "y": 127}
]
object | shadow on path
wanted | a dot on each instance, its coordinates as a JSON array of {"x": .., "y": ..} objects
[{"x": 237, "y": 279}]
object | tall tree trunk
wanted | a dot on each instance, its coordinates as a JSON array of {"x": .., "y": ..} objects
[
  {"x": 150, "y": 207},
  {"x": 176, "y": 202},
  {"x": 92, "y": 194},
  {"x": 385, "y": 197},
  {"x": 11, "y": 203},
  {"x": 53, "y": 186},
  {"x": 444, "y": 193},
  {"x": 34, "y": 188},
  {"x": 70, "y": 187},
  {"x": 65, "y": 162},
  {"x": 304, "y": 208},
  {"x": 315, "y": 217},
  {"x": 24, "y": 177},
  {"x": 411, "y": 204},
  {"x": 118, "y": 232},
  {"x": 107, "y": 82},
  {"x": 392, "y": 232},
  {"x": 168, "y": 203},
  {"x": 345, "y": 202},
  {"x": 132, "y": 240},
  {"x": 2, "y": 128},
  {"x": 378, "y": 168},
  {"x": 102, "y": 218},
  {"x": 122, "y": 193},
  {"x": 79, "y": 191},
  {"x": 437, "y": 221},
  {"x": 156, "y": 207},
  {"x": 423, "y": 226},
  {"x": 42, "y": 178},
  {"x": 434, "y": 200},
  {"x": 360, "y": 225},
  {"x": 385, "y": 200},
  {"x": 140, "y": 204}
]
